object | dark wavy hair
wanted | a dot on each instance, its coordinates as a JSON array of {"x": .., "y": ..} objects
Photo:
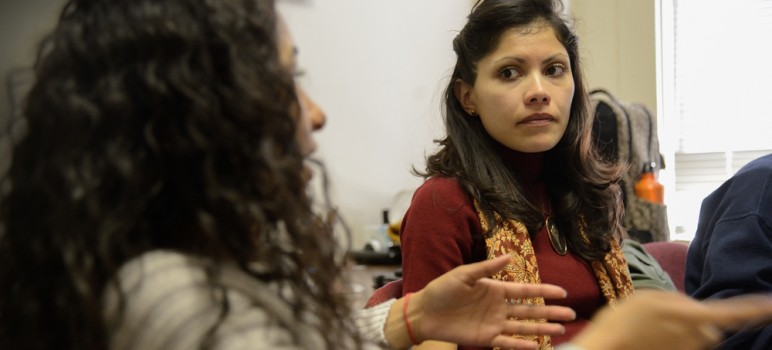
[
  {"x": 580, "y": 185},
  {"x": 157, "y": 124}
]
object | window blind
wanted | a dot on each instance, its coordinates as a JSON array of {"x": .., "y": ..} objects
[
  {"x": 723, "y": 82},
  {"x": 718, "y": 103}
]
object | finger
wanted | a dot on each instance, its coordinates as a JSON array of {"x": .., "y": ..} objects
[
  {"x": 710, "y": 334},
  {"x": 507, "y": 342},
  {"x": 470, "y": 273},
  {"x": 747, "y": 311},
  {"x": 533, "y": 328},
  {"x": 473, "y": 273},
  {"x": 515, "y": 290},
  {"x": 535, "y": 312}
]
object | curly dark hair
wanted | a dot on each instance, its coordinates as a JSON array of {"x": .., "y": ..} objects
[
  {"x": 157, "y": 124},
  {"x": 579, "y": 182}
]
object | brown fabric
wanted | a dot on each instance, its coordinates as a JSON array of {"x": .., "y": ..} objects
[{"x": 513, "y": 239}]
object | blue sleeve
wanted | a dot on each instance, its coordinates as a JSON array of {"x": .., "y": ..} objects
[
  {"x": 739, "y": 261},
  {"x": 732, "y": 251}
]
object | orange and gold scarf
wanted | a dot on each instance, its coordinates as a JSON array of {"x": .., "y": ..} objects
[{"x": 512, "y": 238}]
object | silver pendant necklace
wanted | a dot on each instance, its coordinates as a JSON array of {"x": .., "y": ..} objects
[{"x": 556, "y": 239}]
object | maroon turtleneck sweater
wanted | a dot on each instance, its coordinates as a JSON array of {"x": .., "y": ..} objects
[{"x": 441, "y": 230}]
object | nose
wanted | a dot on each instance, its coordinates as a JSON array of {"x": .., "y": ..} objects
[
  {"x": 312, "y": 110},
  {"x": 536, "y": 93}
]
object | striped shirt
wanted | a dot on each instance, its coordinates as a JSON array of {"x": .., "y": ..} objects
[{"x": 169, "y": 305}]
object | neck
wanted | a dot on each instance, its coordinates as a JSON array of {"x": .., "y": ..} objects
[
  {"x": 528, "y": 169},
  {"x": 527, "y": 166}
]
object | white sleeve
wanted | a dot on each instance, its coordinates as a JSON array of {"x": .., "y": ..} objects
[{"x": 372, "y": 321}]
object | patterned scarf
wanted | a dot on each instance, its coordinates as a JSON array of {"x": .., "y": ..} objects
[{"x": 513, "y": 239}]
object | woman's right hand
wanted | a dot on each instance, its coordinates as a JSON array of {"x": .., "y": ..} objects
[{"x": 666, "y": 320}]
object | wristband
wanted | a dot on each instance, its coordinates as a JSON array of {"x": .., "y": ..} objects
[{"x": 407, "y": 322}]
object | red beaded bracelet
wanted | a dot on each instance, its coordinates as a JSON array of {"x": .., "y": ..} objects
[{"x": 407, "y": 323}]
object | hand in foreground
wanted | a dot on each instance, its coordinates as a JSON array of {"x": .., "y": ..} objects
[
  {"x": 463, "y": 306},
  {"x": 666, "y": 320}
]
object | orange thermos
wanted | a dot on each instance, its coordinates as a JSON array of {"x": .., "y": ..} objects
[{"x": 648, "y": 188}]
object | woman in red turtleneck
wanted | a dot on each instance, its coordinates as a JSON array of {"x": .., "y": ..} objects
[{"x": 516, "y": 173}]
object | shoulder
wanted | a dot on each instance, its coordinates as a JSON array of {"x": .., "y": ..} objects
[
  {"x": 441, "y": 183},
  {"x": 442, "y": 192},
  {"x": 441, "y": 216},
  {"x": 441, "y": 199},
  {"x": 169, "y": 303},
  {"x": 156, "y": 273},
  {"x": 761, "y": 162},
  {"x": 759, "y": 169},
  {"x": 748, "y": 191},
  {"x": 159, "y": 289}
]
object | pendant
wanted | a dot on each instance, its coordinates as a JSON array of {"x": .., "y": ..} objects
[{"x": 558, "y": 242}]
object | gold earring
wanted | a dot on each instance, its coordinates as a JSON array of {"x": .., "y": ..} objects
[{"x": 473, "y": 112}]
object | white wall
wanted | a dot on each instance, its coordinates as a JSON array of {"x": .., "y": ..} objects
[
  {"x": 22, "y": 24},
  {"x": 378, "y": 69},
  {"x": 617, "y": 42}
]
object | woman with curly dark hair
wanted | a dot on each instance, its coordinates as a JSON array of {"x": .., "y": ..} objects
[
  {"x": 158, "y": 199},
  {"x": 516, "y": 173}
]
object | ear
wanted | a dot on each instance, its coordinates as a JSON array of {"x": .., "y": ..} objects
[{"x": 463, "y": 92}]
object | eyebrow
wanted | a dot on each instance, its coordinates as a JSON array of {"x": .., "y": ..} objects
[{"x": 523, "y": 60}]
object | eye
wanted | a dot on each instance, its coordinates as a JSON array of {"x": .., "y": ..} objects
[
  {"x": 556, "y": 69},
  {"x": 509, "y": 73}
]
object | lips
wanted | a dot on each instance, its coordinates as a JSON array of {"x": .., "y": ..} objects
[{"x": 537, "y": 118}]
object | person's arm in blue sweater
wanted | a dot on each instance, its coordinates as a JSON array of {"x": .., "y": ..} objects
[{"x": 732, "y": 250}]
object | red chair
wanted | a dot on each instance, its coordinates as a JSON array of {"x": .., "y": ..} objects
[
  {"x": 388, "y": 291},
  {"x": 672, "y": 257}
]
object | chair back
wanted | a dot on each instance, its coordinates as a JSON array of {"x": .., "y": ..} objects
[{"x": 672, "y": 257}]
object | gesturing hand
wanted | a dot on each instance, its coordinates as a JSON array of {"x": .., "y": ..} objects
[
  {"x": 463, "y": 306},
  {"x": 667, "y": 320}
]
